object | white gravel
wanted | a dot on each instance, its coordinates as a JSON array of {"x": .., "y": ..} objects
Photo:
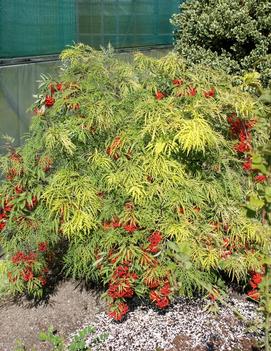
[{"x": 147, "y": 329}]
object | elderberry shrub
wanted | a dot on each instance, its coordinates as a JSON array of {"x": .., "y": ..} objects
[{"x": 141, "y": 168}]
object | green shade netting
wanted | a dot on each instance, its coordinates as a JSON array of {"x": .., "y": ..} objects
[
  {"x": 17, "y": 86},
  {"x": 126, "y": 23},
  {"x": 36, "y": 27}
]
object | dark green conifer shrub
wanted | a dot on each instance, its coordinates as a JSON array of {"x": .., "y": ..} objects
[
  {"x": 230, "y": 34},
  {"x": 138, "y": 171}
]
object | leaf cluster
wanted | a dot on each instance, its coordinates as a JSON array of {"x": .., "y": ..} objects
[{"x": 227, "y": 34}]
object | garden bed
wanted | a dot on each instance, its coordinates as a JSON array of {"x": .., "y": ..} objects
[
  {"x": 152, "y": 180},
  {"x": 65, "y": 310},
  {"x": 186, "y": 325}
]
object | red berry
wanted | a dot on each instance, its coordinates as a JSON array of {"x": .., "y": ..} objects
[
  {"x": 59, "y": 86},
  {"x": 42, "y": 280},
  {"x": 254, "y": 294},
  {"x": 27, "y": 274},
  {"x": 42, "y": 247},
  {"x": 154, "y": 296},
  {"x": 260, "y": 178},
  {"x": 192, "y": 91},
  {"x": 159, "y": 95},
  {"x": 177, "y": 82},
  {"x": 163, "y": 302},
  {"x": 210, "y": 93},
  {"x": 49, "y": 101},
  {"x": 247, "y": 165},
  {"x": 257, "y": 278},
  {"x": 130, "y": 228},
  {"x": 107, "y": 225}
]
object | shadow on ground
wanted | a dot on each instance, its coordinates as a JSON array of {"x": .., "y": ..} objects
[{"x": 65, "y": 309}]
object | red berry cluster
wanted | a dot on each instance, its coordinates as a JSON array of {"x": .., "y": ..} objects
[
  {"x": 247, "y": 165},
  {"x": 159, "y": 95},
  {"x": 42, "y": 246},
  {"x": 54, "y": 87},
  {"x": 121, "y": 286},
  {"x": 130, "y": 227},
  {"x": 160, "y": 296},
  {"x": 210, "y": 93},
  {"x": 115, "y": 223},
  {"x": 22, "y": 257},
  {"x": 191, "y": 91},
  {"x": 26, "y": 261},
  {"x": 255, "y": 280},
  {"x": 242, "y": 130},
  {"x": 49, "y": 99},
  {"x": 4, "y": 214},
  {"x": 260, "y": 178},
  {"x": 118, "y": 310},
  {"x": 154, "y": 240}
]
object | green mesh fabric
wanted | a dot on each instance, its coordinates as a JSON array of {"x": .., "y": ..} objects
[
  {"x": 126, "y": 23},
  {"x": 36, "y": 27}
]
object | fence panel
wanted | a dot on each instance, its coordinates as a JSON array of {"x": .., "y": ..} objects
[
  {"x": 126, "y": 23},
  {"x": 17, "y": 86},
  {"x": 36, "y": 27}
]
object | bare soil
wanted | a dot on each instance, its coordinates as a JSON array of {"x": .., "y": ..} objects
[
  {"x": 65, "y": 310},
  {"x": 182, "y": 343}
]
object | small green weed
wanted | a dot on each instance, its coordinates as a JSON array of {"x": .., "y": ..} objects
[{"x": 57, "y": 342}]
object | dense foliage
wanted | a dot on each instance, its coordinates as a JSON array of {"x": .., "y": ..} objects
[
  {"x": 133, "y": 174},
  {"x": 230, "y": 34},
  {"x": 259, "y": 200}
]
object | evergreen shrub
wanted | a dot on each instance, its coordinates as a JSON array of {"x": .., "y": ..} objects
[
  {"x": 230, "y": 34},
  {"x": 132, "y": 176}
]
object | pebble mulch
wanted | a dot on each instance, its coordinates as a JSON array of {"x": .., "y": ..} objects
[{"x": 146, "y": 329}]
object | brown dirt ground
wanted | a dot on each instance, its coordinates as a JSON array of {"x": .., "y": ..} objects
[
  {"x": 182, "y": 343},
  {"x": 66, "y": 310}
]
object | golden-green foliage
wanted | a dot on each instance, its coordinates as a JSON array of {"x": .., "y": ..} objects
[{"x": 125, "y": 150}]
